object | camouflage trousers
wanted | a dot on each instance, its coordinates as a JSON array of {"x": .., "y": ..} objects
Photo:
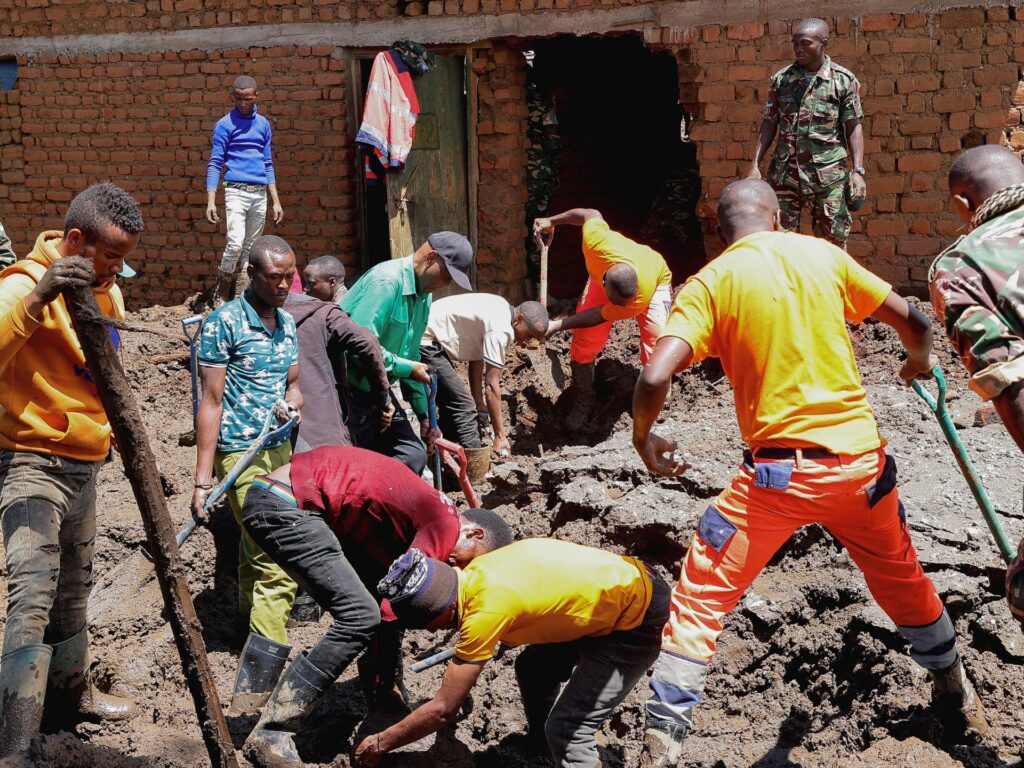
[
  {"x": 48, "y": 513},
  {"x": 830, "y": 216}
]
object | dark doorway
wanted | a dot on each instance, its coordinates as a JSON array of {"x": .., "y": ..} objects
[{"x": 618, "y": 146}]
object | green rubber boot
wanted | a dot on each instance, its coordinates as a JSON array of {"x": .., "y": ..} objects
[
  {"x": 70, "y": 692},
  {"x": 22, "y": 691}
]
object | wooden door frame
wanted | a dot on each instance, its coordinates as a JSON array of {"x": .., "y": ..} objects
[{"x": 355, "y": 107}]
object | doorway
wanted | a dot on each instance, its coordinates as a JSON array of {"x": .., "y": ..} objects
[
  {"x": 619, "y": 142},
  {"x": 431, "y": 193}
]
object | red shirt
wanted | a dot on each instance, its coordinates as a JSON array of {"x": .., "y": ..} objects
[{"x": 376, "y": 506}]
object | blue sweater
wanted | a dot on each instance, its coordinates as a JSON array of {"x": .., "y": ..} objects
[{"x": 242, "y": 143}]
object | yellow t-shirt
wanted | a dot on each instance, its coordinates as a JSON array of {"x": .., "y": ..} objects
[
  {"x": 547, "y": 591},
  {"x": 772, "y": 307},
  {"x": 603, "y": 248}
]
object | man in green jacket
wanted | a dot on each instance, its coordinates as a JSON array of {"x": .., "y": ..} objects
[{"x": 392, "y": 300}]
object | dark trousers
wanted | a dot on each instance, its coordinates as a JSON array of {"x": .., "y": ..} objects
[
  {"x": 307, "y": 549},
  {"x": 456, "y": 409},
  {"x": 399, "y": 441},
  {"x": 598, "y": 672}
]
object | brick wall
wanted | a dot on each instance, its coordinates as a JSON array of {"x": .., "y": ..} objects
[
  {"x": 145, "y": 122},
  {"x": 932, "y": 84}
]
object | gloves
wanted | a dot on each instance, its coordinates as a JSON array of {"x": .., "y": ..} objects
[{"x": 1015, "y": 585}]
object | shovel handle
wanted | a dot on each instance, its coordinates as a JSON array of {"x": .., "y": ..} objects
[
  {"x": 432, "y": 415},
  {"x": 938, "y": 405}
]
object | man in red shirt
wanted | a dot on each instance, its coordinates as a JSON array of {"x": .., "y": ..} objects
[{"x": 335, "y": 519}]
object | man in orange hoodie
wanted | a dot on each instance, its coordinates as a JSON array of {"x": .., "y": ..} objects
[{"x": 54, "y": 437}]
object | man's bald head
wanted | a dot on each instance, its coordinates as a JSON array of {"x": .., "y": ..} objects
[
  {"x": 813, "y": 27},
  {"x": 980, "y": 172},
  {"x": 620, "y": 284},
  {"x": 747, "y": 206}
]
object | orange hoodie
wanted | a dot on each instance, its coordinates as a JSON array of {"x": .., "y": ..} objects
[{"x": 48, "y": 401}]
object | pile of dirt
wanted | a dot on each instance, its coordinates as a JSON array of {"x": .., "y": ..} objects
[{"x": 809, "y": 670}]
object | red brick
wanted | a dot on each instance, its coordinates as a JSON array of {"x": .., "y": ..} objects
[
  {"x": 883, "y": 227},
  {"x": 751, "y": 30},
  {"x": 879, "y": 22},
  {"x": 919, "y": 161},
  {"x": 961, "y": 18},
  {"x": 953, "y": 102}
]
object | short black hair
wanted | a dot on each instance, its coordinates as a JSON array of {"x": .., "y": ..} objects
[
  {"x": 99, "y": 206},
  {"x": 813, "y": 25},
  {"x": 622, "y": 279},
  {"x": 264, "y": 247},
  {"x": 496, "y": 531},
  {"x": 244, "y": 83},
  {"x": 535, "y": 316},
  {"x": 328, "y": 266}
]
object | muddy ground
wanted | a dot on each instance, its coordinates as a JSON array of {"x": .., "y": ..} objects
[{"x": 809, "y": 671}]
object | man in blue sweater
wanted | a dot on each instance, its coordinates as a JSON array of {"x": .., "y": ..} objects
[{"x": 241, "y": 147}]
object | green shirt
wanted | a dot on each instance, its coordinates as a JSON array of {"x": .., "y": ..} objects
[{"x": 385, "y": 301}]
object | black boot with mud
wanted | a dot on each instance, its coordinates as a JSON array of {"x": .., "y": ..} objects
[
  {"x": 272, "y": 742},
  {"x": 304, "y": 612},
  {"x": 583, "y": 396},
  {"x": 23, "y": 675},
  {"x": 259, "y": 668},
  {"x": 957, "y": 703},
  {"x": 71, "y": 695},
  {"x": 663, "y": 744}
]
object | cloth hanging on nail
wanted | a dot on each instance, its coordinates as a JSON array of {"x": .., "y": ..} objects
[{"x": 389, "y": 115}]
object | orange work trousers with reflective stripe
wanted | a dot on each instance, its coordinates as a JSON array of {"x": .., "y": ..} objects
[
  {"x": 854, "y": 497},
  {"x": 587, "y": 343}
]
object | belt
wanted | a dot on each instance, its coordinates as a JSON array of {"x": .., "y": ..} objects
[
  {"x": 275, "y": 487},
  {"x": 245, "y": 187},
  {"x": 790, "y": 453}
]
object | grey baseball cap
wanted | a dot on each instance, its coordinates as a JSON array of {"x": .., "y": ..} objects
[{"x": 457, "y": 254}]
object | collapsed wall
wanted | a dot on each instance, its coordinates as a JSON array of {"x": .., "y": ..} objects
[{"x": 132, "y": 97}]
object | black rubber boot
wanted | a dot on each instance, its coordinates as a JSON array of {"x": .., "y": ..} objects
[
  {"x": 954, "y": 697},
  {"x": 583, "y": 396},
  {"x": 70, "y": 692},
  {"x": 22, "y": 690},
  {"x": 304, "y": 610},
  {"x": 259, "y": 667},
  {"x": 271, "y": 743},
  {"x": 663, "y": 744}
]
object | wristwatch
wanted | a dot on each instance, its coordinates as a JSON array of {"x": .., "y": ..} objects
[{"x": 858, "y": 169}]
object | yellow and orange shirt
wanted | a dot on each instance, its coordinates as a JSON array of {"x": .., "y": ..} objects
[{"x": 603, "y": 248}]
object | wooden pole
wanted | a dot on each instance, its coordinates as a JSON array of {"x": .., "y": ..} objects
[{"x": 140, "y": 467}]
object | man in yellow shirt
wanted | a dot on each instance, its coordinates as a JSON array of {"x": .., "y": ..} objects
[
  {"x": 54, "y": 437},
  {"x": 626, "y": 280},
  {"x": 773, "y": 307},
  {"x": 589, "y": 618}
]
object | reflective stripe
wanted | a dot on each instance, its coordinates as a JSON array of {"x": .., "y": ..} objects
[
  {"x": 933, "y": 646},
  {"x": 677, "y": 684}
]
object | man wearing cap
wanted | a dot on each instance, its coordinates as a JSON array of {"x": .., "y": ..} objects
[
  {"x": 627, "y": 279},
  {"x": 393, "y": 300},
  {"x": 335, "y": 518},
  {"x": 54, "y": 437},
  {"x": 590, "y": 619}
]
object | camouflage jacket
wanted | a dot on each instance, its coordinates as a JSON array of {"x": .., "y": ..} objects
[
  {"x": 7, "y": 256},
  {"x": 811, "y": 113},
  {"x": 977, "y": 291}
]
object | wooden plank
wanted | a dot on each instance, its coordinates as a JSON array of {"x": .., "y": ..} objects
[{"x": 140, "y": 466}]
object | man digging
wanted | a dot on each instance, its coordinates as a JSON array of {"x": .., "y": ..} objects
[
  {"x": 335, "y": 518},
  {"x": 626, "y": 279},
  {"x": 773, "y": 307}
]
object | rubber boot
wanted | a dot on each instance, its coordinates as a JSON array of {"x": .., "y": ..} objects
[
  {"x": 222, "y": 291},
  {"x": 271, "y": 743},
  {"x": 22, "y": 691},
  {"x": 304, "y": 611},
  {"x": 584, "y": 396},
  {"x": 259, "y": 667},
  {"x": 953, "y": 694},
  {"x": 381, "y": 673},
  {"x": 71, "y": 694},
  {"x": 663, "y": 744}
]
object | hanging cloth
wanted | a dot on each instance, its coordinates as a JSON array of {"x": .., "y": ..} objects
[{"x": 389, "y": 115}]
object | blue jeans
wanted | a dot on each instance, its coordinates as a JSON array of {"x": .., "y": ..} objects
[
  {"x": 599, "y": 672},
  {"x": 48, "y": 515},
  {"x": 307, "y": 549}
]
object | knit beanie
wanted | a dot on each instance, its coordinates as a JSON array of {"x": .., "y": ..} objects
[{"x": 419, "y": 588}]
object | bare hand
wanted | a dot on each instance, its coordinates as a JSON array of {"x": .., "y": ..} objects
[
  {"x": 659, "y": 455},
  {"x": 69, "y": 272},
  {"x": 502, "y": 447},
  {"x": 368, "y": 754},
  {"x": 755, "y": 172},
  {"x": 420, "y": 373},
  {"x": 199, "y": 497},
  {"x": 857, "y": 186},
  {"x": 211, "y": 213},
  {"x": 278, "y": 213},
  {"x": 384, "y": 417},
  {"x": 543, "y": 226},
  {"x": 918, "y": 369},
  {"x": 554, "y": 326},
  {"x": 285, "y": 410},
  {"x": 428, "y": 436}
]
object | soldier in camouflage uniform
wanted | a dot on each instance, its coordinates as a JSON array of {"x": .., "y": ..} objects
[
  {"x": 814, "y": 107},
  {"x": 978, "y": 293}
]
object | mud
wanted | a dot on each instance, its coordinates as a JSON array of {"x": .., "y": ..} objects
[{"x": 809, "y": 671}]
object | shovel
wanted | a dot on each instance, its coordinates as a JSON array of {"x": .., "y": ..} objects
[
  {"x": 455, "y": 458},
  {"x": 988, "y": 511}
]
